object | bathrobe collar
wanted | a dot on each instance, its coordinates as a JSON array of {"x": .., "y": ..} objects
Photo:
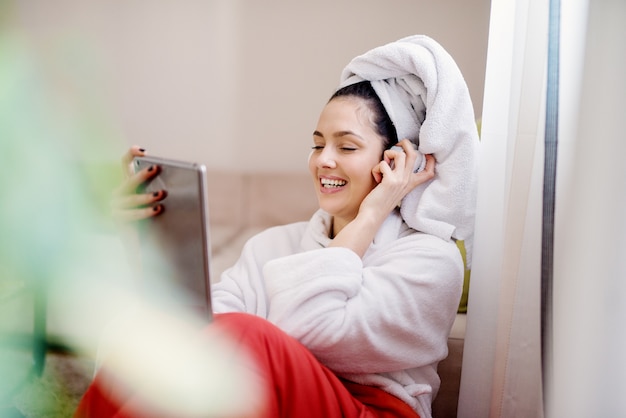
[{"x": 318, "y": 230}]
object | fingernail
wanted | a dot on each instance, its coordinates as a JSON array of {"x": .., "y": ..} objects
[
  {"x": 151, "y": 168},
  {"x": 156, "y": 208},
  {"x": 155, "y": 194},
  {"x": 142, "y": 150}
]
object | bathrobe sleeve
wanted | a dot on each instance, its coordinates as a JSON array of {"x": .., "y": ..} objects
[
  {"x": 241, "y": 288},
  {"x": 393, "y": 310}
]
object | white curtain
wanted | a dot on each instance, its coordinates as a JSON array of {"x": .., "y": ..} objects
[
  {"x": 501, "y": 363},
  {"x": 501, "y": 374}
]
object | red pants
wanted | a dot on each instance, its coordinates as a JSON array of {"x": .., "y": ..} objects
[{"x": 299, "y": 386}]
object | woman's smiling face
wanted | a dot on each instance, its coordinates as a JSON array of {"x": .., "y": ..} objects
[{"x": 346, "y": 148}]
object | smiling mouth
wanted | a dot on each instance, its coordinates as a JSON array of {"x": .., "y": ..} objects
[{"x": 332, "y": 184}]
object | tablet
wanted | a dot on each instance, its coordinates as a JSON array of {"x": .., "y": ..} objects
[{"x": 174, "y": 245}]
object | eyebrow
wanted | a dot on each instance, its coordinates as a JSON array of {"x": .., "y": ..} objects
[{"x": 339, "y": 134}]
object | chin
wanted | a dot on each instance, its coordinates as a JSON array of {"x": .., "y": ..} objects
[{"x": 330, "y": 209}]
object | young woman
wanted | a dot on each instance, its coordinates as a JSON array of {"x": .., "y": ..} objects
[{"x": 348, "y": 314}]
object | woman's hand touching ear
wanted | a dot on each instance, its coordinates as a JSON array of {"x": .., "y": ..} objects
[
  {"x": 395, "y": 183},
  {"x": 399, "y": 159}
]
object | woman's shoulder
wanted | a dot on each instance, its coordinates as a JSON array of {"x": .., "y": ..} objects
[
  {"x": 418, "y": 247},
  {"x": 395, "y": 232},
  {"x": 424, "y": 242}
]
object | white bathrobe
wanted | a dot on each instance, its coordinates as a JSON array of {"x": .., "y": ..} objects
[{"x": 382, "y": 320}]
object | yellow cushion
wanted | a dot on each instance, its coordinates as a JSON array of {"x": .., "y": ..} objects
[{"x": 466, "y": 279}]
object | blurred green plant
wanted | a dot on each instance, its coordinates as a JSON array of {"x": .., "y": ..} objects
[
  {"x": 59, "y": 162},
  {"x": 53, "y": 194}
]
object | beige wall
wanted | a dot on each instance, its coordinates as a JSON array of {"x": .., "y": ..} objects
[{"x": 235, "y": 84}]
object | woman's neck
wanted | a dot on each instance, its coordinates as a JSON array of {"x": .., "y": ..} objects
[{"x": 336, "y": 225}]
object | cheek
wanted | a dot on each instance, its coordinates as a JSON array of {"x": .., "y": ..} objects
[
  {"x": 365, "y": 177},
  {"x": 370, "y": 164}
]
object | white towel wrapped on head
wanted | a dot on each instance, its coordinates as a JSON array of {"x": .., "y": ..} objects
[{"x": 427, "y": 99}]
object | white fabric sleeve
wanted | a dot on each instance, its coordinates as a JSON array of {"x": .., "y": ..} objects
[
  {"x": 241, "y": 287},
  {"x": 237, "y": 291},
  {"x": 393, "y": 313}
]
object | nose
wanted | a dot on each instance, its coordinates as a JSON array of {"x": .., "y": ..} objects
[{"x": 326, "y": 159}]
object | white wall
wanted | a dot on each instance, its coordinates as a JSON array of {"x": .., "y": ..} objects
[{"x": 235, "y": 84}]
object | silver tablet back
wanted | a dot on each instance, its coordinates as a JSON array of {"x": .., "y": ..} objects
[{"x": 175, "y": 245}]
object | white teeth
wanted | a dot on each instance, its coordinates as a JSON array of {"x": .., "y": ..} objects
[{"x": 332, "y": 183}]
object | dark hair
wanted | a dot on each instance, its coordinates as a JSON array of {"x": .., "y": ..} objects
[{"x": 381, "y": 120}]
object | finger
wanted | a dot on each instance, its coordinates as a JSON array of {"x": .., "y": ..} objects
[
  {"x": 127, "y": 158},
  {"x": 410, "y": 149},
  {"x": 427, "y": 173},
  {"x": 408, "y": 146},
  {"x": 133, "y": 201},
  {"x": 134, "y": 181},
  {"x": 430, "y": 163},
  {"x": 395, "y": 158},
  {"x": 377, "y": 173},
  {"x": 130, "y": 215}
]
